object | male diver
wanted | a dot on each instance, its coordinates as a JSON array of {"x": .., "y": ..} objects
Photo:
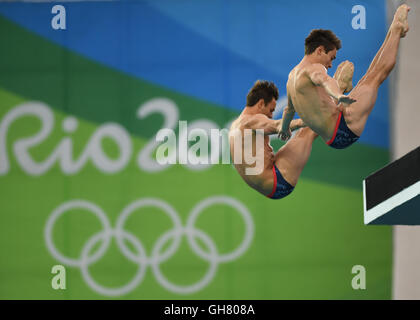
[
  {"x": 319, "y": 99},
  {"x": 280, "y": 172}
]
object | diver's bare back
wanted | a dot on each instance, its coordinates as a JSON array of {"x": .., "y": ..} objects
[{"x": 314, "y": 106}]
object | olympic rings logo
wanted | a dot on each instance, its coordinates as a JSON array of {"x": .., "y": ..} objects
[{"x": 157, "y": 257}]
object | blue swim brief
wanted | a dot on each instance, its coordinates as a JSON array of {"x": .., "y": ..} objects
[
  {"x": 281, "y": 187},
  {"x": 343, "y": 136}
]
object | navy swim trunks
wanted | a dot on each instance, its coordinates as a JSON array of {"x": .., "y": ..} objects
[
  {"x": 343, "y": 136},
  {"x": 281, "y": 187}
]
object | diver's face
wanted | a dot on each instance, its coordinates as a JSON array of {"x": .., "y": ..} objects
[
  {"x": 327, "y": 58},
  {"x": 269, "y": 108}
]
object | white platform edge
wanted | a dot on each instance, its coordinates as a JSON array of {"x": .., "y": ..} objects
[{"x": 389, "y": 204}]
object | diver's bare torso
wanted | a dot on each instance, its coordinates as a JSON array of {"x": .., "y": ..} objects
[
  {"x": 262, "y": 182},
  {"x": 314, "y": 106}
]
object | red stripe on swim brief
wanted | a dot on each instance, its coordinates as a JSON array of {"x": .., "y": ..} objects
[
  {"x": 274, "y": 183},
  {"x": 336, "y": 128}
]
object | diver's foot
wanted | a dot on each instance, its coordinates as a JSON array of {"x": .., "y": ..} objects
[
  {"x": 400, "y": 21},
  {"x": 344, "y": 76}
]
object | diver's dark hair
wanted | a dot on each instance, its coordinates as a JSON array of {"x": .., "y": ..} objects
[
  {"x": 321, "y": 37},
  {"x": 262, "y": 89}
]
